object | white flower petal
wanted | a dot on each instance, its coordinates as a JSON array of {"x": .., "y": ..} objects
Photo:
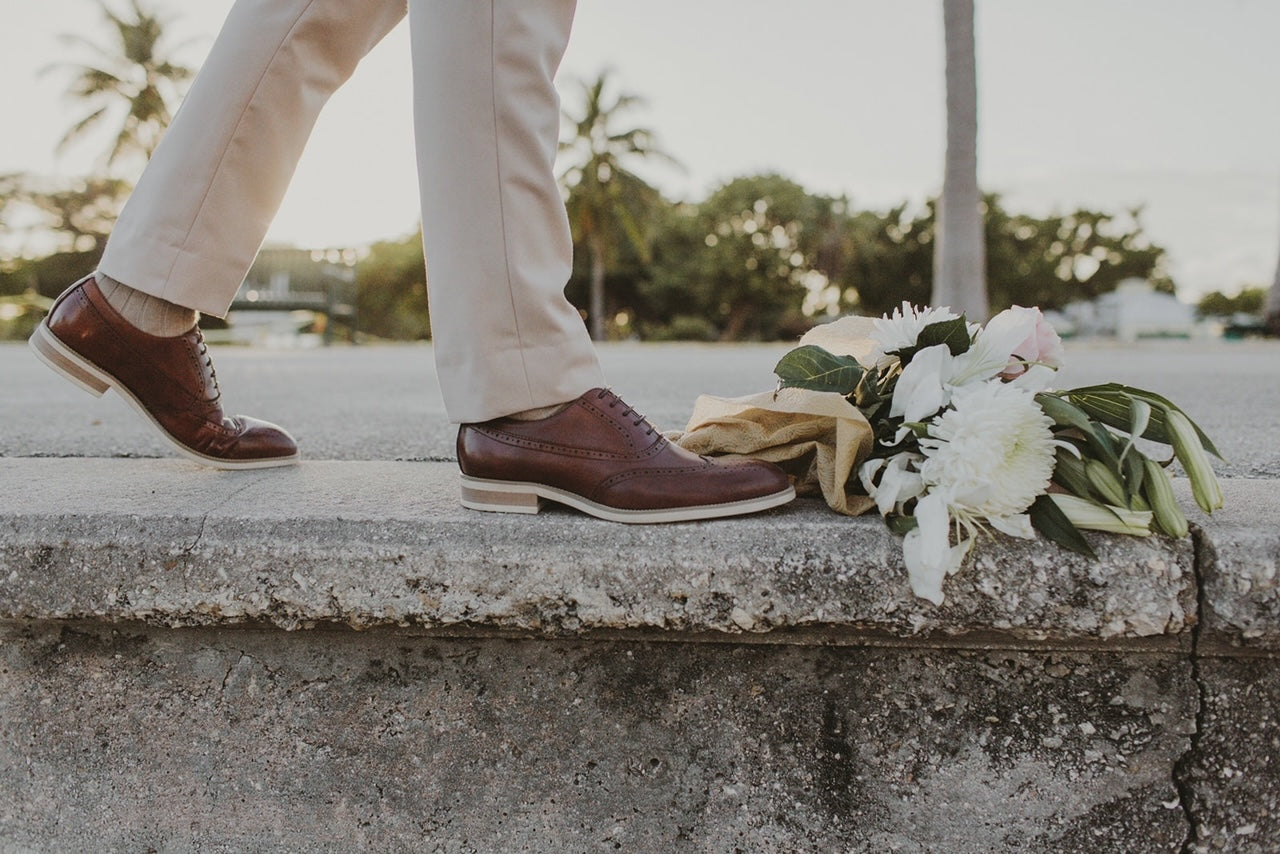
[
  {"x": 867, "y": 473},
  {"x": 991, "y": 453},
  {"x": 935, "y": 530},
  {"x": 927, "y": 567},
  {"x": 898, "y": 485},
  {"x": 994, "y": 345},
  {"x": 1035, "y": 378},
  {"x": 1015, "y": 526},
  {"x": 925, "y": 579},
  {"x": 1010, "y": 328},
  {"x": 901, "y": 329},
  {"x": 921, "y": 389}
]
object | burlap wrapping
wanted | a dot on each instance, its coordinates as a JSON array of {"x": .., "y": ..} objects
[{"x": 818, "y": 438}]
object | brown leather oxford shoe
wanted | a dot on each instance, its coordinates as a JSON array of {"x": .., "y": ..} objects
[
  {"x": 600, "y": 456},
  {"x": 170, "y": 381}
]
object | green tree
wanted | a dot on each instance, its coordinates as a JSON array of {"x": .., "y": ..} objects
[
  {"x": 745, "y": 259},
  {"x": 606, "y": 201},
  {"x": 1064, "y": 258},
  {"x": 391, "y": 290},
  {"x": 69, "y": 219},
  {"x": 78, "y": 212},
  {"x": 131, "y": 80},
  {"x": 1218, "y": 304},
  {"x": 1043, "y": 261},
  {"x": 626, "y": 308},
  {"x": 892, "y": 260}
]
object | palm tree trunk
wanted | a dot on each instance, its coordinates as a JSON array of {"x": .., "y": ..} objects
[
  {"x": 1271, "y": 309},
  {"x": 959, "y": 254},
  {"x": 597, "y": 289}
]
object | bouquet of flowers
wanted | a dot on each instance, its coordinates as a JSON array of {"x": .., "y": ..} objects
[{"x": 969, "y": 437}]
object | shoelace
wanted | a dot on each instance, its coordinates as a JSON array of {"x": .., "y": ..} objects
[
  {"x": 614, "y": 400},
  {"x": 208, "y": 363}
]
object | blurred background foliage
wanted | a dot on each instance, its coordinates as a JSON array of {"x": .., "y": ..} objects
[{"x": 760, "y": 258}]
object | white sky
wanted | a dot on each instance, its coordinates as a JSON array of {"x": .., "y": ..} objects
[{"x": 1104, "y": 103}]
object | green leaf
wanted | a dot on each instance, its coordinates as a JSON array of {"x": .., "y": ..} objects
[
  {"x": 1063, "y": 412},
  {"x": 1069, "y": 473},
  {"x": 871, "y": 411},
  {"x": 1066, "y": 414},
  {"x": 812, "y": 367},
  {"x": 1140, "y": 417},
  {"x": 953, "y": 333},
  {"x": 1110, "y": 400},
  {"x": 1048, "y": 519},
  {"x": 867, "y": 396},
  {"x": 1115, "y": 409},
  {"x": 901, "y": 525},
  {"x": 1135, "y": 471}
]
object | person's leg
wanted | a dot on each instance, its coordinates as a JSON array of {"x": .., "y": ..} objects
[
  {"x": 190, "y": 231},
  {"x": 193, "y": 225},
  {"x": 497, "y": 240},
  {"x": 499, "y": 254}
]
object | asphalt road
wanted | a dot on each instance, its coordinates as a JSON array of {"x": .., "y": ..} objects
[{"x": 383, "y": 402}]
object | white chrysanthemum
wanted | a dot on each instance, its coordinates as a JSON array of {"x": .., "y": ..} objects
[
  {"x": 993, "y": 450},
  {"x": 901, "y": 329},
  {"x": 987, "y": 458}
]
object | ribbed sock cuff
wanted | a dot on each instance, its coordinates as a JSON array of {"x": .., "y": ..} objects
[{"x": 150, "y": 314}]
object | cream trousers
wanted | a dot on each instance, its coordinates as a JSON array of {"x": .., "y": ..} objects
[{"x": 487, "y": 123}]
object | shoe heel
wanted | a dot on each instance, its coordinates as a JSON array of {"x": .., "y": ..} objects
[
  {"x": 55, "y": 354},
  {"x": 498, "y": 497}
]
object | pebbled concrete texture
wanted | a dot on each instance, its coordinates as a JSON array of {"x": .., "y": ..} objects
[
  {"x": 137, "y": 738},
  {"x": 1239, "y": 560},
  {"x": 1232, "y": 776},
  {"x": 368, "y": 544}
]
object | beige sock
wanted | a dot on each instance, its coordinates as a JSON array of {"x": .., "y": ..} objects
[
  {"x": 150, "y": 314},
  {"x": 539, "y": 413}
]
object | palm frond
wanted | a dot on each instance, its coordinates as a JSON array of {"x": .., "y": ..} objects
[{"x": 80, "y": 127}]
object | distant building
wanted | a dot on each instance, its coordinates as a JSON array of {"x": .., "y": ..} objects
[
  {"x": 1135, "y": 309},
  {"x": 289, "y": 289}
]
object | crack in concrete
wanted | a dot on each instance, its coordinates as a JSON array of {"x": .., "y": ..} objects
[
  {"x": 1182, "y": 768},
  {"x": 187, "y": 550},
  {"x": 190, "y": 548},
  {"x": 225, "y": 679}
]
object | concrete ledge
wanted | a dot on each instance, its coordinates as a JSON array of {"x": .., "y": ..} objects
[
  {"x": 378, "y": 543},
  {"x": 1238, "y": 554},
  {"x": 512, "y": 694}
]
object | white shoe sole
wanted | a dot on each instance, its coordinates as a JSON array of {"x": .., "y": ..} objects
[
  {"x": 503, "y": 496},
  {"x": 88, "y": 376}
]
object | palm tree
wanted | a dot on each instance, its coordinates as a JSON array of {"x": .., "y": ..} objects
[
  {"x": 134, "y": 75},
  {"x": 1271, "y": 308},
  {"x": 959, "y": 259},
  {"x": 606, "y": 201}
]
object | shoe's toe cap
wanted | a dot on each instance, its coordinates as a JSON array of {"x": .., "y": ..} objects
[
  {"x": 262, "y": 441},
  {"x": 753, "y": 478}
]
